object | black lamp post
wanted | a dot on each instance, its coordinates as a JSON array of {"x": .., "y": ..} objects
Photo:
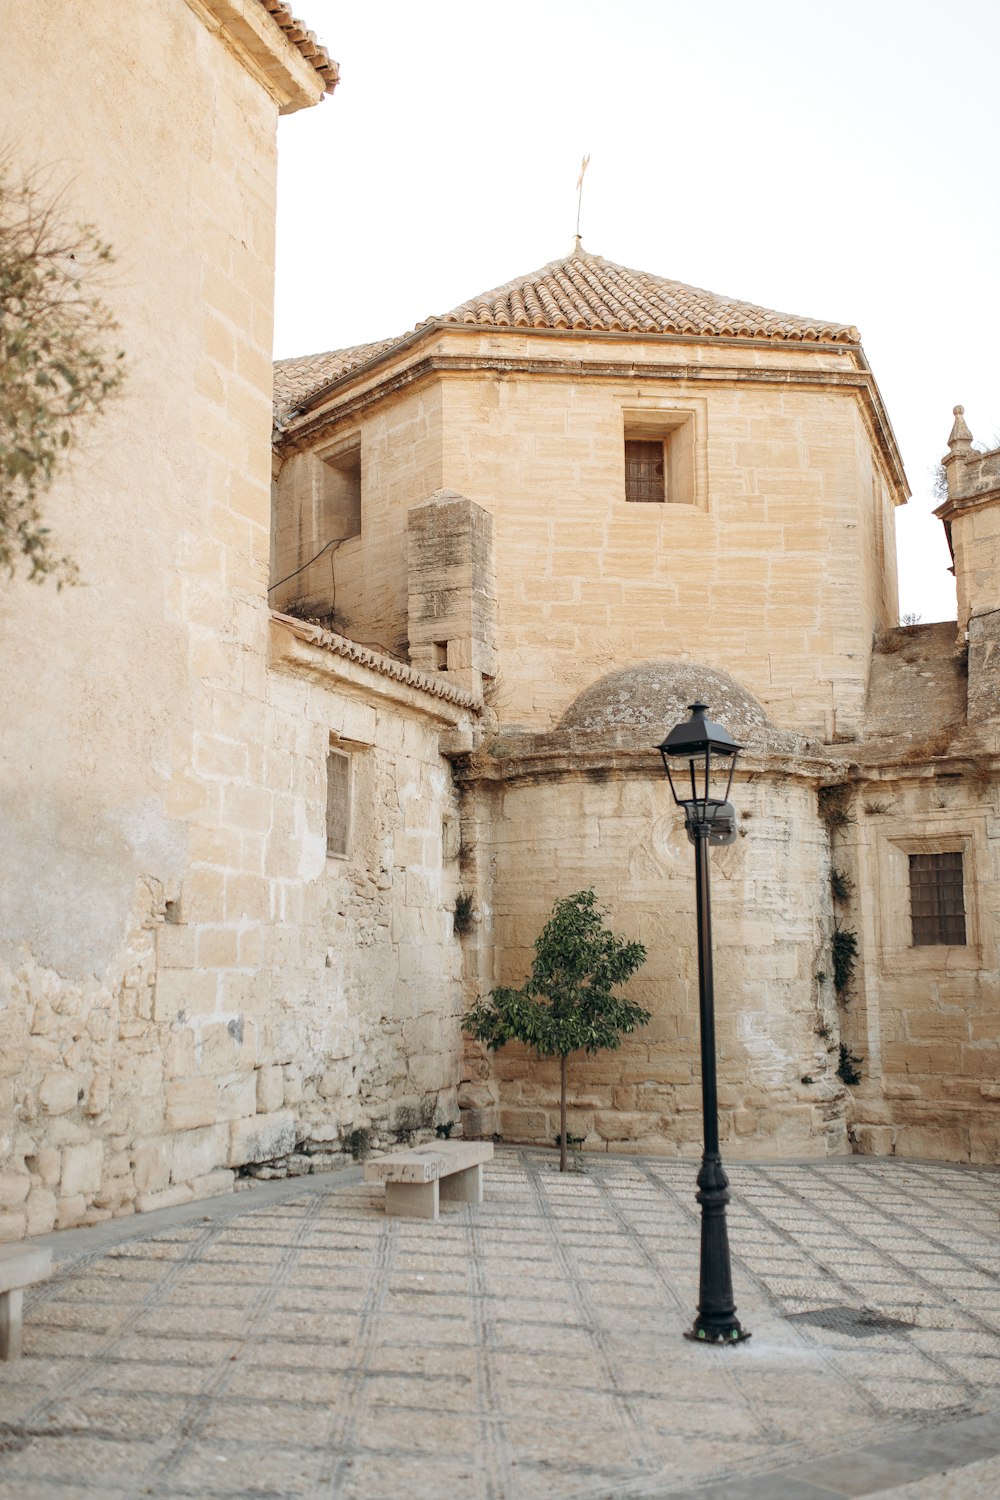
[{"x": 694, "y": 751}]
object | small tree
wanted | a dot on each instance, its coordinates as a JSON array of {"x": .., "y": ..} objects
[
  {"x": 566, "y": 1003},
  {"x": 58, "y": 361}
]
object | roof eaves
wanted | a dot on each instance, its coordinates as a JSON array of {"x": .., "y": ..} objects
[
  {"x": 361, "y": 371},
  {"x": 274, "y": 48},
  {"x": 304, "y": 409},
  {"x": 374, "y": 661},
  {"x": 306, "y": 41}
]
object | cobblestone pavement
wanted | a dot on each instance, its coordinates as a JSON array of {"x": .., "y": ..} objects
[{"x": 306, "y": 1345}]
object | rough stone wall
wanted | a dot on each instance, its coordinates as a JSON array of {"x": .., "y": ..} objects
[
  {"x": 619, "y": 832},
  {"x": 984, "y": 666},
  {"x": 188, "y": 987},
  {"x": 286, "y": 1006}
]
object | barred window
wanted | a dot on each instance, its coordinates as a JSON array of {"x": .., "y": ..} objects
[
  {"x": 338, "y": 803},
  {"x": 645, "y": 470},
  {"x": 937, "y": 906}
]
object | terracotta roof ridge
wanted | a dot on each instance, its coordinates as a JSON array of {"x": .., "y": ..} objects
[{"x": 365, "y": 656}]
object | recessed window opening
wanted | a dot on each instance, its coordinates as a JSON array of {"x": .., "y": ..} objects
[
  {"x": 338, "y": 804},
  {"x": 343, "y": 490},
  {"x": 937, "y": 903},
  {"x": 441, "y": 656},
  {"x": 659, "y": 456},
  {"x": 645, "y": 470}
]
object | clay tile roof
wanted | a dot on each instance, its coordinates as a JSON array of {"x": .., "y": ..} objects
[
  {"x": 295, "y": 380},
  {"x": 580, "y": 293},
  {"x": 298, "y": 34},
  {"x": 588, "y": 292}
]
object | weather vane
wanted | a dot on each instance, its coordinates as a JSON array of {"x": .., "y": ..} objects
[{"x": 579, "y": 194}]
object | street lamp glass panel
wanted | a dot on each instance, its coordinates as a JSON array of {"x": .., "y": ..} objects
[{"x": 688, "y": 752}]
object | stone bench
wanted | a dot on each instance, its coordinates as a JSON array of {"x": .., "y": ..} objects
[
  {"x": 20, "y": 1266},
  {"x": 416, "y": 1180}
]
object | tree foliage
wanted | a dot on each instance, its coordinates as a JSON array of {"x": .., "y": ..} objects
[
  {"x": 567, "y": 1002},
  {"x": 58, "y": 361}
]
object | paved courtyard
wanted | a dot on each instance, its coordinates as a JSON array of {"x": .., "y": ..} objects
[{"x": 292, "y": 1341}]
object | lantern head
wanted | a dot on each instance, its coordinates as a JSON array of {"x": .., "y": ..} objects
[{"x": 700, "y": 754}]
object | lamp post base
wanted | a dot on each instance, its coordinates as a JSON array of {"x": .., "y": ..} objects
[
  {"x": 734, "y": 1334},
  {"x": 716, "y": 1321}
]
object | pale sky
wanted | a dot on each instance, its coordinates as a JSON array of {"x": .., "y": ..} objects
[{"x": 837, "y": 160}]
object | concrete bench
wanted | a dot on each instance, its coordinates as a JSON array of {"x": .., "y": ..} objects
[
  {"x": 417, "y": 1180},
  {"x": 20, "y": 1266}
]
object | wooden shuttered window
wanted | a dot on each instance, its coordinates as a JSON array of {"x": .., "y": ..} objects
[
  {"x": 937, "y": 905},
  {"x": 645, "y": 470}
]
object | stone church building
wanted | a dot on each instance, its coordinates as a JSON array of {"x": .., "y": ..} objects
[
  {"x": 589, "y": 497},
  {"x": 339, "y": 710}
]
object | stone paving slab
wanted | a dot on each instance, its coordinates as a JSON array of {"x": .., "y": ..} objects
[{"x": 298, "y": 1343}]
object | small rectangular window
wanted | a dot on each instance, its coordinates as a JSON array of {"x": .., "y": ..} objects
[
  {"x": 645, "y": 470},
  {"x": 338, "y": 804},
  {"x": 937, "y": 906}
]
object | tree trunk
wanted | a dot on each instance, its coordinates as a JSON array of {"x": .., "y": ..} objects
[{"x": 562, "y": 1114}]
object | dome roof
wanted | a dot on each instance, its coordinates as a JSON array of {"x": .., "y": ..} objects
[{"x": 655, "y": 695}]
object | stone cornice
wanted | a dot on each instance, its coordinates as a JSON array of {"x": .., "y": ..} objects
[
  {"x": 267, "y": 53},
  {"x": 574, "y": 755},
  {"x": 301, "y": 432},
  {"x": 960, "y": 505}
]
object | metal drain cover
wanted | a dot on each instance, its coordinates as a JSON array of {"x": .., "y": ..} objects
[{"x": 859, "y": 1322}]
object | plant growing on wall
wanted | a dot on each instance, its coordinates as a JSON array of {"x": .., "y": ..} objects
[
  {"x": 845, "y": 952},
  {"x": 848, "y": 1068},
  {"x": 465, "y": 911},
  {"x": 567, "y": 1003},
  {"x": 833, "y": 807},
  {"x": 58, "y": 364}
]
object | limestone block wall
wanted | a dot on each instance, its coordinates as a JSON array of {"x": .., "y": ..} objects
[
  {"x": 451, "y": 604},
  {"x": 363, "y": 581},
  {"x": 188, "y": 987},
  {"x": 618, "y": 831},
  {"x": 971, "y": 515},
  {"x": 283, "y": 1000},
  {"x": 785, "y": 531},
  {"x": 926, "y": 1019},
  {"x": 164, "y": 507},
  {"x": 778, "y": 546}
]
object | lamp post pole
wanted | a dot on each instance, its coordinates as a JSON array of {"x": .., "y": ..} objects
[
  {"x": 716, "y": 1320},
  {"x": 709, "y": 819}
]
